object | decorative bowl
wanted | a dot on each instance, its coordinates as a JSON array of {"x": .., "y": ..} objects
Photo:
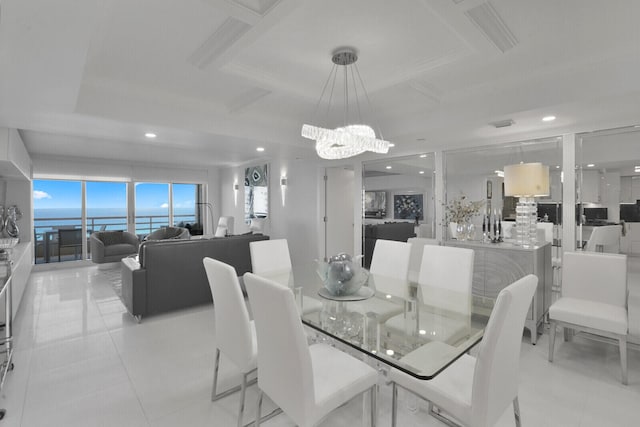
[{"x": 342, "y": 275}]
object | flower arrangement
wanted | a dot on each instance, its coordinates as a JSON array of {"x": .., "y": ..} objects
[{"x": 460, "y": 210}]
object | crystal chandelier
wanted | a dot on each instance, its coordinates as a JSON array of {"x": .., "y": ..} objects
[{"x": 351, "y": 139}]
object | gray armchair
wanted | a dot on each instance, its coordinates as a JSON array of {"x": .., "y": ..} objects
[
  {"x": 112, "y": 246},
  {"x": 165, "y": 233}
]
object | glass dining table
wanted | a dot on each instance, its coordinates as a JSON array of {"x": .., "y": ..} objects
[{"x": 420, "y": 330}]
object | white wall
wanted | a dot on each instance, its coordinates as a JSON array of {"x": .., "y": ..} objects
[{"x": 298, "y": 220}]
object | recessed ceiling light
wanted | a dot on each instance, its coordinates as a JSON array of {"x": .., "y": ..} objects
[
  {"x": 590, "y": 165},
  {"x": 391, "y": 144},
  {"x": 499, "y": 173},
  {"x": 548, "y": 118},
  {"x": 260, "y": 149},
  {"x": 557, "y": 166},
  {"x": 150, "y": 135},
  {"x": 388, "y": 167},
  {"x": 422, "y": 156},
  {"x": 421, "y": 172}
]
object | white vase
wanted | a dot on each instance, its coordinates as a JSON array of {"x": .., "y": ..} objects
[{"x": 453, "y": 229}]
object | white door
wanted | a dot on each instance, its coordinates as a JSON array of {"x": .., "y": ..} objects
[{"x": 339, "y": 201}]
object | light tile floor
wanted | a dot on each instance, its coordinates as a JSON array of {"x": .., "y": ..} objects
[{"x": 80, "y": 360}]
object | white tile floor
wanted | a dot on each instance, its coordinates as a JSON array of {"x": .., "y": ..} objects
[{"x": 82, "y": 361}]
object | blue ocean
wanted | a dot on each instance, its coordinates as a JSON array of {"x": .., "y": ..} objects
[{"x": 109, "y": 218}]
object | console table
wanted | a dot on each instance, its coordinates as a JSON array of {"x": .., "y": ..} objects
[{"x": 497, "y": 265}]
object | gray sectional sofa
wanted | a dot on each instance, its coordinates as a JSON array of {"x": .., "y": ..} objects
[{"x": 169, "y": 275}]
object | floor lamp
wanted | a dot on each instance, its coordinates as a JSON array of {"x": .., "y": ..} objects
[
  {"x": 210, "y": 206},
  {"x": 526, "y": 181}
]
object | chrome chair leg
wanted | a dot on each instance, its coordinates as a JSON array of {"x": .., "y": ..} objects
[
  {"x": 243, "y": 390},
  {"x": 258, "y": 409},
  {"x": 516, "y": 411},
  {"x": 373, "y": 395},
  {"x": 552, "y": 339},
  {"x": 214, "y": 395},
  {"x": 623, "y": 358},
  {"x": 394, "y": 404}
]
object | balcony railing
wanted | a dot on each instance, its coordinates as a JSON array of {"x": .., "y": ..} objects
[{"x": 46, "y": 231}]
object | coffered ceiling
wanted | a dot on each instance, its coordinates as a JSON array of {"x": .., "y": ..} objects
[{"x": 217, "y": 78}]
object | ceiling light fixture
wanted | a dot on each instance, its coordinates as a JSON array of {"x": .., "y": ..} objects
[
  {"x": 499, "y": 173},
  {"x": 150, "y": 135},
  {"x": 422, "y": 156},
  {"x": 388, "y": 167},
  {"x": 590, "y": 165},
  {"x": 350, "y": 139},
  {"x": 548, "y": 118},
  {"x": 260, "y": 149},
  {"x": 421, "y": 172}
]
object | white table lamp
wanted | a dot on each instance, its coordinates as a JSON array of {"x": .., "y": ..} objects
[{"x": 526, "y": 181}]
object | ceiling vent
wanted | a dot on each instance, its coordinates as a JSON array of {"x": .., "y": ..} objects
[
  {"x": 247, "y": 98},
  {"x": 502, "y": 123},
  {"x": 491, "y": 24},
  {"x": 219, "y": 42}
]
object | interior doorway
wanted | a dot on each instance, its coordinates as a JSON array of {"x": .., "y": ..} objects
[{"x": 338, "y": 215}]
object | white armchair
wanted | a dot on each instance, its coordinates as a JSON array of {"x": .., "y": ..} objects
[{"x": 594, "y": 299}]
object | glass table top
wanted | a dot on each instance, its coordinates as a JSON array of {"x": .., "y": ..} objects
[{"x": 418, "y": 329}]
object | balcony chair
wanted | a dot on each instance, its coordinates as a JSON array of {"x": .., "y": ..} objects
[
  {"x": 307, "y": 382},
  {"x": 270, "y": 258},
  {"x": 476, "y": 391},
  {"x": 70, "y": 238},
  {"x": 594, "y": 300}
]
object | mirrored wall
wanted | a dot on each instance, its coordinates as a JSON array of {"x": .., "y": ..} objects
[
  {"x": 398, "y": 200},
  {"x": 477, "y": 175},
  {"x": 608, "y": 188}
]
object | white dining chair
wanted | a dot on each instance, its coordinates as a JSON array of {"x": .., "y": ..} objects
[
  {"x": 604, "y": 239},
  {"x": 270, "y": 258},
  {"x": 415, "y": 257},
  {"x": 235, "y": 332},
  {"x": 476, "y": 391},
  {"x": 444, "y": 282},
  {"x": 306, "y": 382},
  {"x": 594, "y": 299},
  {"x": 389, "y": 276}
]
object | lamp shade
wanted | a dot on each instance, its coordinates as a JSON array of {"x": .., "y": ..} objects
[{"x": 526, "y": 180}]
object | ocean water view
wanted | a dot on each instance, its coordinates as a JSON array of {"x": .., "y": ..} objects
[{"x": 48, "y": 219}]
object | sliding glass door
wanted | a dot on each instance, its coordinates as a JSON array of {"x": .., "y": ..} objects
[
  {"x": 58, "y": 205},
  {"x": 152, "y": 207}
]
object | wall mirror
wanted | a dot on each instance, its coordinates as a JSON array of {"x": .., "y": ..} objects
[
  {"x": 256, "y": 192},
  {"x": 608, "y": 187},
  {"x": 478, "y": 175},
  {"x": 400, "y": 191}
]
